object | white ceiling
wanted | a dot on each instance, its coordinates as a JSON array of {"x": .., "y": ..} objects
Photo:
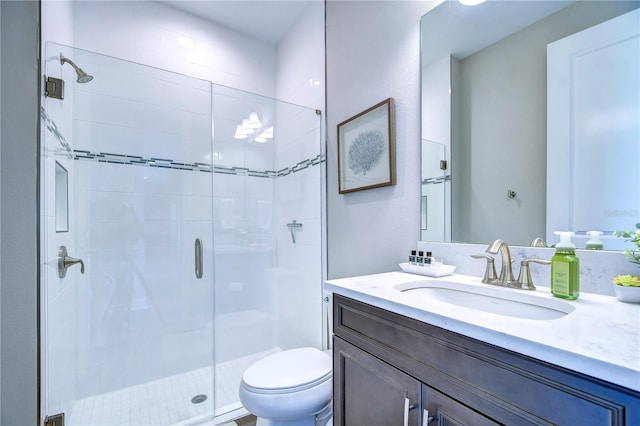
[
  {"x": 267, "y": 20},
  {"x": 452, "y": 28}
]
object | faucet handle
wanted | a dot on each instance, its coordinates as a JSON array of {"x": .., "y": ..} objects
[
  {"x": 490, "y": 271},
  {"x": 538, "y": 242},
  {"x": 524, "y": 277}
]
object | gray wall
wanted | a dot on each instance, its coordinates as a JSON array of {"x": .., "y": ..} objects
[
  {"x": 18, "y": 198},
  {"x": 0, "y": 220},
  {"x": 373, "y": 52}
]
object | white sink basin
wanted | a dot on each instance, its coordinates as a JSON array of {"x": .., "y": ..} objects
[{"x": 485, "y": 297}]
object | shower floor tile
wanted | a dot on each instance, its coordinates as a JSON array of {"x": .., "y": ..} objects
[{"x": 167, "y": 401}]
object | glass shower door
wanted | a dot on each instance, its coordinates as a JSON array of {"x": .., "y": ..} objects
[
  {"x": 435, "y": 203},
  {"x": 127, "y": 333},
  {"x": 267, "y": 223}
]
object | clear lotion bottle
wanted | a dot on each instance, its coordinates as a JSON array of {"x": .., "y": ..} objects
[{"x": 565, "y": 269}]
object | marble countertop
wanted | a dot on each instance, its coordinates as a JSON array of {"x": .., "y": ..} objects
[{"x": 600, "y": 338}]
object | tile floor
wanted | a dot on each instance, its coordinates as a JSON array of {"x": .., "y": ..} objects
[{"x": 167, "y": 401}]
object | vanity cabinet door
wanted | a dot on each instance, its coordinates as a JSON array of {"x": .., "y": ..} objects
[
  {"x": 368, "y": 391},
  {"x": 443, "y": 410}
]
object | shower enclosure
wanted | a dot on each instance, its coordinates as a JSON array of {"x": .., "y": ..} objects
[
  {"x": 182, "y": 267},
  {"x": 435, "y": 199}
]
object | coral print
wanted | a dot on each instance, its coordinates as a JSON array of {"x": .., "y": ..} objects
[{"x": 365, "y": 151}]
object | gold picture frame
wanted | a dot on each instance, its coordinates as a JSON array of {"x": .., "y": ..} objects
[{"x": 367, "y": 149}]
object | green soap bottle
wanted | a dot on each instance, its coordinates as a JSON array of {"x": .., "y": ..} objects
[
  {"x": 565, "y": 269},
  {"x": 594, "y": 242}
]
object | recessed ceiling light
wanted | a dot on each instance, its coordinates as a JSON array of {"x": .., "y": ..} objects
[
  {"x": 254, "y": 121},
  {"x": 186, "y": 42},
  {"x": 246, "y": 129},
  {"x": 239, "y": 133}
]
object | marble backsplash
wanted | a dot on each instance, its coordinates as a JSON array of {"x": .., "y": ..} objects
[{"x": 597, "y": 267}]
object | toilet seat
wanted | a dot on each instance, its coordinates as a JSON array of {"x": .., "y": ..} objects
[
  {"x": 288, "y": 371},
  {"x": 289, "y": 388}
]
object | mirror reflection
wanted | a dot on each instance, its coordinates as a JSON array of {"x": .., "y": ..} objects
[{"x": 487, "y": 171}]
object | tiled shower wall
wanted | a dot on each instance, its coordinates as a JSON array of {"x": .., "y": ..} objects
[
  {"x": 298, "y": 197},
  {"x": 300, "y": 79},
  {"x": 293, "y": 71},
  {"x": 141, "y": 304},
  {"x": 137, "y": 213},
  {"x": 257, "y": 283},
  {"x": 133, "y": 219}
]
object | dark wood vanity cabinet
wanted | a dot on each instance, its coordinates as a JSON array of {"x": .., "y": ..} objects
[
  {"x": 381, "y": 358},
  {"x": 375, "y": 391}
]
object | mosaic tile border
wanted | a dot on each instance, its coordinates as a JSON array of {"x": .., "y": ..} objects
[
  {"x": 51, "y": 127},
  {"x": 436, "y": 180},
  {"x": 135, "y": 160},
  {"x": 318, "y": 159}
]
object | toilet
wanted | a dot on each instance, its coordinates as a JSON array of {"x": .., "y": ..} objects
[{"x": 290, "y": 388}]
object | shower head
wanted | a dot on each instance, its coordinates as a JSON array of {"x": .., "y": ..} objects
[{"x": 83, "y": 77}]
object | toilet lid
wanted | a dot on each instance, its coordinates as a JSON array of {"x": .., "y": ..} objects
[{"x": 289, "y": 369}]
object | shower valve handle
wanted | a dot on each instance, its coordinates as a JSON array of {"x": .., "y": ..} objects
[
  {"x": 293, "y": 225},
  {"x": 64, "y": 262}
]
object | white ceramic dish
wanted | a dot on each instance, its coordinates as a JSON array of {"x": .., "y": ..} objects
[
  {"x": 627, "y": 294},
  {"x": 429, "y": 271}
]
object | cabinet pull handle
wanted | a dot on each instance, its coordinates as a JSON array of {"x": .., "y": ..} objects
[
  {"x": 408, "y": 406},
  {"x": 406, "y": 411},
  {"x": 198, "y": 258},
  {"x": 425, "y": 418}
]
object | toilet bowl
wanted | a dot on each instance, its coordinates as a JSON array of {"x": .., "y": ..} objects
[{"x": 292, "y": 388}]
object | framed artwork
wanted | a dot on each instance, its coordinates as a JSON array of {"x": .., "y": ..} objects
[{"x": 366, "y": 149}]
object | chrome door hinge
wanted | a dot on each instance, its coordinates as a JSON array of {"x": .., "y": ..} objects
[
  {"x": 55, "y": 420},
  {"x": 443, "y": 164},
  {"x": 54, "y": 88}
]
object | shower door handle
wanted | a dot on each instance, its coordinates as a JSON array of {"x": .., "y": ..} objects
[
  {"x": 65, "y": 262},
  {"x": 198, "y": 258}
]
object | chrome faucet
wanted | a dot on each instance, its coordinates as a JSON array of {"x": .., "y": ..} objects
[
  {"x": 506, "y": 271},
  {"x": 505, "y": 279}
]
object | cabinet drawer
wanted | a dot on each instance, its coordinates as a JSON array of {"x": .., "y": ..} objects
[{"x": 504, "y": 385}]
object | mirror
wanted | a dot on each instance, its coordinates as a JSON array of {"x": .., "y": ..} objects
[{"x": 484, "y": 100}]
